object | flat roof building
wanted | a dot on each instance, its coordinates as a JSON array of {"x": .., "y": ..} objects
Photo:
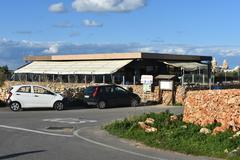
[{"x": 124, "y": 68}]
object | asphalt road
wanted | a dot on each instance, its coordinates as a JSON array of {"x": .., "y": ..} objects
[{"x": 74, "y": 134}]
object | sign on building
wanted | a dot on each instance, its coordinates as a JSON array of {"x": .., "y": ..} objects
[
  {"x": 146, "y": 79},
  {"x": 147, "y": 87},
  {"x": 166, "y": 85}
]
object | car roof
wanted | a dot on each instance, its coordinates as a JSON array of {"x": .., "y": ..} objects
[
  {"x": 25, "y": 85},
  {"x": 102, "y": 85},
  {"x": 22, "y": 85}
]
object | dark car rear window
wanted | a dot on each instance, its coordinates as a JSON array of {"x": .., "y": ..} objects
[{"x": 89, "y": 90}]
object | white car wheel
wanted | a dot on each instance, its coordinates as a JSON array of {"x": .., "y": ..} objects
[{"x": 15, "y": 106}]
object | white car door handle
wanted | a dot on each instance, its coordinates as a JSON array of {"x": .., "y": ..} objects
[
  {"x": 36, "y": 96},
  {"x": 18, "y": 94}
]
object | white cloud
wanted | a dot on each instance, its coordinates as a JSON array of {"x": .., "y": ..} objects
[
  {"x": 91, "y": 23},
  {"x": 107, "y": 5},
  {"x": 176, "y": 50},
  {"x": 57, "y": 8},
  {"x": 53, "y": 49}
]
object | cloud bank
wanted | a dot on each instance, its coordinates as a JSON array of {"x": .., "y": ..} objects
[
  {"x": 107, "y": 5},
  {"x": 13, "y": 52}
]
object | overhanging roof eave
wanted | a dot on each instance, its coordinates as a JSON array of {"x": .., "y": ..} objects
[{"x": 74, "y": 67}]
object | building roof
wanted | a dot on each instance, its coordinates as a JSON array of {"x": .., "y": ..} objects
[
  {"x": 74, "y": 67},
  {"x": 188, "y": 66},
  {"x": 118, "y": 56}
]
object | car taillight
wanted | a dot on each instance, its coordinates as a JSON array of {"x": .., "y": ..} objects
[
  {"x": 9, "y": 95},
  {"x": 95, "y": 92}
]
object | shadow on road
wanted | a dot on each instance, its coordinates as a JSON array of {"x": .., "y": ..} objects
[
  {"x": 20, "y": 154},
  {"x": 2, "y": 104}
]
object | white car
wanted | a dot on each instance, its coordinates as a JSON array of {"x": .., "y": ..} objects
[{"x": 33, "y": 96}]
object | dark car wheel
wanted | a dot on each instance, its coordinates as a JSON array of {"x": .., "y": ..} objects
[
  {"x": 15, "y": 106},
  {"x": 58, "y": 106},
  {"x": 102, "y": 104},
  {"x": 134, "y": 103}
]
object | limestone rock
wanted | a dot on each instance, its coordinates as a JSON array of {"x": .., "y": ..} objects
[
  {"x": 150, "y": 129},
  {"x": 173, "y": 118},
  {"x": 142, "y": 125},
  {"x": 205, "y": 131},
  {"x": 146, "y": 128},
  {"x": 149, "y": 121},
  {"x": 236, "y": 134}
]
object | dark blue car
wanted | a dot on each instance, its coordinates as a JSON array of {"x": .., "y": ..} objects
[{"x": 103, "y": 96}]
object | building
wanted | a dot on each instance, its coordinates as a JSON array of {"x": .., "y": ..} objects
[{"x": 120, "y": 68}]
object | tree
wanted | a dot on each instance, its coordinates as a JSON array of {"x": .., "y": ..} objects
[{"x": 4, "y": 69}]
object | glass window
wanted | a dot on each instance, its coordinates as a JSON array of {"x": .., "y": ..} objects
[
  {"x": 89, "y": 90},
  {"x": 40, "y": 90},
  {"x": 25, "y": 89},
  {"x": 109, "y": 89},
  {"x": 120, "y": 90}
]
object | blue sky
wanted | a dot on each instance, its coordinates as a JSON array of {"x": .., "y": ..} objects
[{"x": 206, "y": 27}]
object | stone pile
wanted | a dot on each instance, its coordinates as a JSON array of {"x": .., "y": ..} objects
[{"x": 210, "y": 106}]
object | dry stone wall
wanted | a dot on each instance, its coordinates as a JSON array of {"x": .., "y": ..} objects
[
  {"x": 209, "y": 106},
  {"x": 73, "y": 89}
]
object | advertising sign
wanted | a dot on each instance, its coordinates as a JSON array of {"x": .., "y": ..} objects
[{"x": 147, "y": 87}]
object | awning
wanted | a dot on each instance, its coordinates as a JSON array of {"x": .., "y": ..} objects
[
  {"x": 73, "y": 67},
  {"x": 165, "y": 77},
  {"x": 188, "y": 66}
]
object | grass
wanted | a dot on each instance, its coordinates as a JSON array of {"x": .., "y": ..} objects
[{"x": 177, "y": 136}]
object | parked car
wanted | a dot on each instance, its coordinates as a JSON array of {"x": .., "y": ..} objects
[
  {"x": 33, "y": 96},
  {"x": 103, "y": 96}
]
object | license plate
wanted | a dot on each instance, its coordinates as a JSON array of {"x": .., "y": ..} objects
[{"x": 86, "y": 96}]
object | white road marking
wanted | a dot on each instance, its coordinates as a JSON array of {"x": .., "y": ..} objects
[
  {"x": 115, "y": 148},
  {"x": 35, "y": 131},
  {"x": 69, "y": 120}
]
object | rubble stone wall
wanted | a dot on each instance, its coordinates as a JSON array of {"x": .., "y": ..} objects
[
  {"x": 209, "y": 106},
  {"x": 72, "y": 89}
]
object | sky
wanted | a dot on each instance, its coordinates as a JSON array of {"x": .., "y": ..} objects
[{"x": 43, "y": 27}]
